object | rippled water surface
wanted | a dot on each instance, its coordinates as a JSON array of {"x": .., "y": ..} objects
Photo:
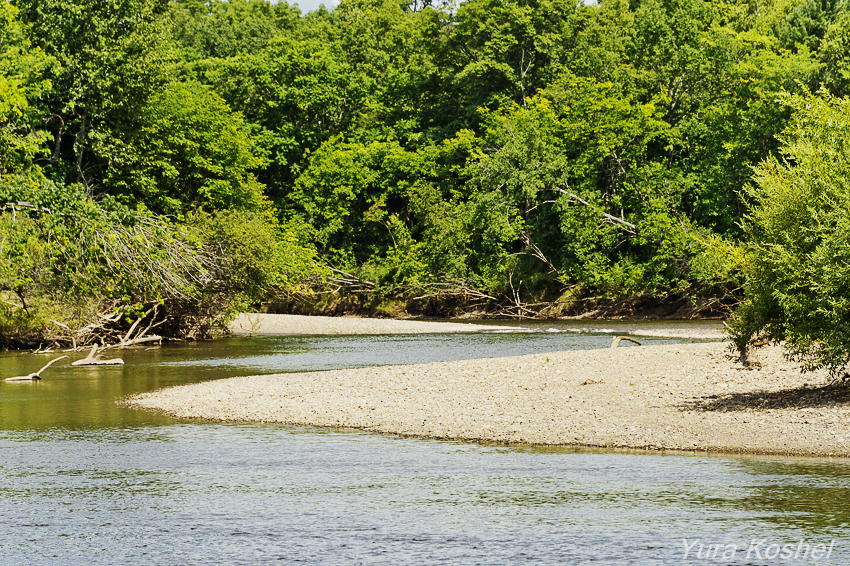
[{"x": 85, "y": 481}]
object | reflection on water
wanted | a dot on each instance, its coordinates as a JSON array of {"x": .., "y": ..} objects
[{"x": 85, "y": 481}]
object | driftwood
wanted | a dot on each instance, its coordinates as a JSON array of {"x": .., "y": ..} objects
[
  {"x": 106, "y": 331},
  {"x": 143, "y": 340},
  {"x": 617, "y": 339},
  {"x": 37, "y": 375},
  {"x": 140, "y": 336},
  {"x": 352, "y": 283},
  {"x": 92, "y": 360}
]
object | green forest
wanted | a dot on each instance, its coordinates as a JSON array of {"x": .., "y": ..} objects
[{"x": 179, "y": 161}]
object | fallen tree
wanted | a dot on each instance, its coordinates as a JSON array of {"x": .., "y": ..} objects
[
  {"x": 97, "y": 360},
  {"x": 86, "y": 274},
  {"x": 36, "y": 375}
]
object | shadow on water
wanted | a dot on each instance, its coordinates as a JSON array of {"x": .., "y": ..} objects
[{"x": 805, "y": 494}]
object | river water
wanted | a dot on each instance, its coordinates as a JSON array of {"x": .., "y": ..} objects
[{"x": 83, "y": 480}]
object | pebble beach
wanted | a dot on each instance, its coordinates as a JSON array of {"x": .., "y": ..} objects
[
  {"x": 279, "y": 324},
  {"x": 671, "y": 397}
]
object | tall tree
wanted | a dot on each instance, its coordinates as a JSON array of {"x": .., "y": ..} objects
[
  {"x": 20, "y": 84},
  {"x": 507, "y": 50},
  {"x": 797, "y": 262}
]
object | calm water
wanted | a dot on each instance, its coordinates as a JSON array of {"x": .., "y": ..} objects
[{"x": 85, "y": 481}]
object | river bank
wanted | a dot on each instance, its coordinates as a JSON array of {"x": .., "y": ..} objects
[
  {"x": 291, "y": 324},
  {"x": 281, "y": 324},
  {"x": 672, "y": 397},
  {"x": 647, "y": 306}
]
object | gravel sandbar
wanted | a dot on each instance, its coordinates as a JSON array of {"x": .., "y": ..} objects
[
  {"x": 281, "y": 324},
  {"x": 285, "y": 324},
  {"x": 675, "y": 397}
]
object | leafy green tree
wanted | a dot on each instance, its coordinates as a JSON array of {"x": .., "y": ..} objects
[
  {"x": 257, "y": 257},
  {"x": 797, "y": 262},
  {"x": 734, "y": 125},
  {"x": 190, "y": 152},
  {"x": 402, "y": 216},
  {"x": 834, "y": 55},
  {"x": 603, "y": 47},
  {"x": 717, "y": 86},
  {"x": 391, "y": 54},
  {"x": 108, "y": 59},
  {"x": 223, "y": 29},
  {"x": 807, "y": 24},
  {"x": 569, "y": 169},
  {"x": 506, "y": 50},
  {"x": 297, "y": 94},
  {"x": 349, "y": 195},
  {"x": 20, "y": 84},
  {"x": 118, "y": 121}
]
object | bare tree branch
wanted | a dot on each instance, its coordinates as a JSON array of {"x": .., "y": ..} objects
[{"x": 630, "y": 228}]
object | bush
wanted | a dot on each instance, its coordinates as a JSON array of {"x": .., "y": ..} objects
[
  {"x": 257, "y": 258},
  {"x": 797, "y": 263},
  {"x": 72, "y": 269}
]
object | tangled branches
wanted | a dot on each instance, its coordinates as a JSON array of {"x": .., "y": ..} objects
[
  {"x": 90, "y": 280},
  {"x": 147, "y": 255}
]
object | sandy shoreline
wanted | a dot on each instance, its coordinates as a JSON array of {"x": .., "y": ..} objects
[
  {"x": 283, "y": 324},
  {"x": 677, "y": 397},
  {"x": 291, "y": 324}
]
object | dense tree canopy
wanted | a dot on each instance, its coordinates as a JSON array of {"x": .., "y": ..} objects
[{"x": 516, "y": 148}]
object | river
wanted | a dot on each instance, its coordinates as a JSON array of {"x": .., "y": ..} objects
[{"x": 83, "y": 480}]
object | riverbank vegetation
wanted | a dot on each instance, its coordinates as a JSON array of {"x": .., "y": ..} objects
[
  {"x": 176, "y": 161},
  {"x": 796, "y": 275}
]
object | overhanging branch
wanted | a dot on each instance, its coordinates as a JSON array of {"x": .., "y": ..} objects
[{"x": 628, "y": 226}]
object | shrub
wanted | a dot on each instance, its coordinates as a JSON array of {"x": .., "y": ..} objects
[{"x": 797, "y": 263}]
